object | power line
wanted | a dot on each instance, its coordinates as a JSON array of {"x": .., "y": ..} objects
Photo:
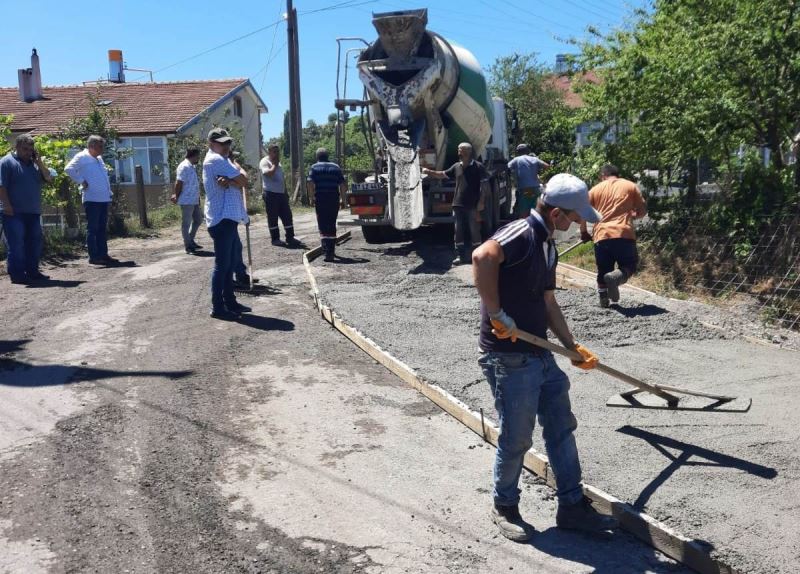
[{"x": 339, "y": 6}]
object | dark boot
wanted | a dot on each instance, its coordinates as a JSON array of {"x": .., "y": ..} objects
[
  {"x": 461, "y": 255},
  {"x": 602, "y": 294},
  {"x": 329, "y": 248},
  {"x": 582, "y": 516},
  {"x": 511, "y": 524},
  {"x": 613, "y": 280}
]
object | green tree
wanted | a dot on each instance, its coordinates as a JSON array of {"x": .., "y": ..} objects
[
  {"x": 546, "y": 123},
  {"x": 691, "y": 80}
]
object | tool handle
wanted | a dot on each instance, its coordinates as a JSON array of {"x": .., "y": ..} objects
[
  {"x": 571, "y": 247},
  {"x": 575, "y": 356}
]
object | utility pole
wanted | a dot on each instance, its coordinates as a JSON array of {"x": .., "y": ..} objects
[{"x": 295, "y": 114}]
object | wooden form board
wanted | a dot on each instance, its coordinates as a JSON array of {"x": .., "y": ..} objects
[{"x": 644, "y": 527}]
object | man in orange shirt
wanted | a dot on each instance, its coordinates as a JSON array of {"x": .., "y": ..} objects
[{"x": 620, "y": 202}]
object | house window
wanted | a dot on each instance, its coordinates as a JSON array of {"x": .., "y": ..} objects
[
  {"x": 149, "y": 152},
  {"x": 237, "y": 106}
]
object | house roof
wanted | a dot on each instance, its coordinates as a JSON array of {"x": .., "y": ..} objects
[
  {"x": 565, "y": 85},
  {"x": 149, "y": 108}
]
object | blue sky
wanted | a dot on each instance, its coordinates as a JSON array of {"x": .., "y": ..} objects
[{"x": 170, "y": 36}]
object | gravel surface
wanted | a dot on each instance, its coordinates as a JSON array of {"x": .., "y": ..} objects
[{"x": 729, "y": 480}]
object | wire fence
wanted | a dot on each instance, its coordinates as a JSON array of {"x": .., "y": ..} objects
[{"x": 765, "y": 267}]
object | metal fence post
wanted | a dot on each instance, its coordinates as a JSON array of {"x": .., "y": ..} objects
[{"x": 140, "y": 198}]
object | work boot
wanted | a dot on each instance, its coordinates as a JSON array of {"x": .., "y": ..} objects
[
  {"x": 602, "y": 294},
  {"x": 277, "y": 242},
  {"x": 613, "y": 280},
  {"x": 223, "y": 314},
  {"x": 582, "y": 516},
  {"x": 461, "y": 258},
  {"x": 511, "y": 524}
]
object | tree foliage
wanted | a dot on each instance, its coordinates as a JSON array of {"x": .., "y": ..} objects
[
  {"x": 546, "y": 123},
  {"x": 708, "y": 80}
]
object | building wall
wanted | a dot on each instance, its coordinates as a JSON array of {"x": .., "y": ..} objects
[{"x": 224, "y": 115}]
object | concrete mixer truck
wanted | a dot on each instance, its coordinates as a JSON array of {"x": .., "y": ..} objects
[{"x": 423, "y": 96}]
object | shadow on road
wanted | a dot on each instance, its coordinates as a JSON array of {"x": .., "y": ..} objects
[
  {"x": 642, "y": 311},
  {"x": 265, "y": 323},
  {"x": 592, "y": 551},
  {"x": 202, "y": 253},
  {"x": 350, "y": 260},
  {"x": 15, "y": 373},
  {"x": 54, "y": 283},
  {"x": 686, "y": 451},
  {"x": 258, "y": 290},
  {"x": 434, "y": 245}
]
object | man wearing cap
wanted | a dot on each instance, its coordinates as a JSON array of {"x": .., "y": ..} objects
[
  {"x": 468, "y": 174},
  {"x": 327, "y": 187},
  {"x": 620, "y": 202},
  {"x": 514, "y": 273},
  {"x": 526, "y": 168},
  {"x": 224, "y": 209},
  {"x": 21, "y": 175}
]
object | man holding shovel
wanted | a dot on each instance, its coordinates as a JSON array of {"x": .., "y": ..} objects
[{"x": 514, "y": 273}]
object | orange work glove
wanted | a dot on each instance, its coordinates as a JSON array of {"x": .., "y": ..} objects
[
  {"x": 503, "y": 326},
  {"x": 590, "y": 360}
]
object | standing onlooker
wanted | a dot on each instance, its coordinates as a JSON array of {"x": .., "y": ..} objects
[
  {"x": 224, "y": 210},
  {"x": 327, "y": 187},
  {"x": 468, "y": 174},
  {"x": 275, "y": 199},
  {"x": 620, "y": 202},
  {"x": 187, "y": 195},
  {"x": 515, "y": 274},
  {"x": 21, "y": 175},
  {"x": 88, "y": 170},
  {"x": 526, "y": 167}
]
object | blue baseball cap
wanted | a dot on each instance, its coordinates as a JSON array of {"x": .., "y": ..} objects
[{"x": 566, "y": 191}]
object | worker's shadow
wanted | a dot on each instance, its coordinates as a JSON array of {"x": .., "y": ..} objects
[
  {"x": 688, "y": 455},
  {"x": 349, "y": 260},
  {"x": 16, "y": 373},
  {"x": 54, "y": 283},
  {"x": 265, "y": 323},
  {"x": 607, "y": 554},
  {"x": 203, "y": 253},
  {"x": 639, "y": 311}
]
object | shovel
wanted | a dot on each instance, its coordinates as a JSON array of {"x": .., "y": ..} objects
[
  {"x": 653, "y": 396},
  {"x": 247, "y": 239},
  {"x": 571, "y": 247}
]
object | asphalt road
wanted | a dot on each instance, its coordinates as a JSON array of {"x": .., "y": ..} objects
[{"x": 139, "y": 435}]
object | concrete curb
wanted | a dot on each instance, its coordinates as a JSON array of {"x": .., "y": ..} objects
[{"x": 644, "y": 527}]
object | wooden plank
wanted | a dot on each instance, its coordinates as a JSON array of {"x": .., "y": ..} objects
[{"x": 644, "y": 527}]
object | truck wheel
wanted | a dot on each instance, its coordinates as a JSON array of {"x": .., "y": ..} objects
[{"x": 373, "y": 233}]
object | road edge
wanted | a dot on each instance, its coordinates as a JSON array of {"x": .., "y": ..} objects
[{"x": 642, "y": 526}]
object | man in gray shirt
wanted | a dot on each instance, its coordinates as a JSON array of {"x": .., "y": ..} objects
[
  {"x": 526, "y": 167},
  {"x": 21, "y": 176},
  {"x": 275, "y": 199}
]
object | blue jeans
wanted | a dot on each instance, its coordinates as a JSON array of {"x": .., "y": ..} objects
[
  {"x": 96, "y": 222},
  {"x": 525, "y": 385},
  {"x": 23, "y": 239},
  {"x": 226, "y": 241}
]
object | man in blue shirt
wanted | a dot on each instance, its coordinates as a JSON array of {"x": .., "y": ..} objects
[
  {"x": 514, "y": 273},
  {"x": 21, "y": 176},
  {"x": 526, "y": 168},
  {"x": 327, "y": 187}
]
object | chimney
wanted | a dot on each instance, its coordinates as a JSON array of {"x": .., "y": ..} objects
[
  {"x": 36, "y": 77},
  {"x": 116, "y": 74},
  {"x": 30, "y": 80}
]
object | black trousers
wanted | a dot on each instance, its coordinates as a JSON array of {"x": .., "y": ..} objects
[
  {"x": 277, "y": 205},
  {"x": 619, "y": 252},
  {"x": 327, "y": 208}
]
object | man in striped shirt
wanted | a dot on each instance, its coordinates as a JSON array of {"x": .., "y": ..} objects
[
  {"x": 89, "y": 171},
  {"x": 514, "y": 273},
  {"x": 327, "y": 187}
]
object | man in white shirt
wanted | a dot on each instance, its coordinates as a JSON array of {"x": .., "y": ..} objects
[
  {"x": 224, "y": 209},
  {"x": 88, "y": 170},
  {"x": 187, "y": 196},
  {"x": 275, "y": 199}
]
